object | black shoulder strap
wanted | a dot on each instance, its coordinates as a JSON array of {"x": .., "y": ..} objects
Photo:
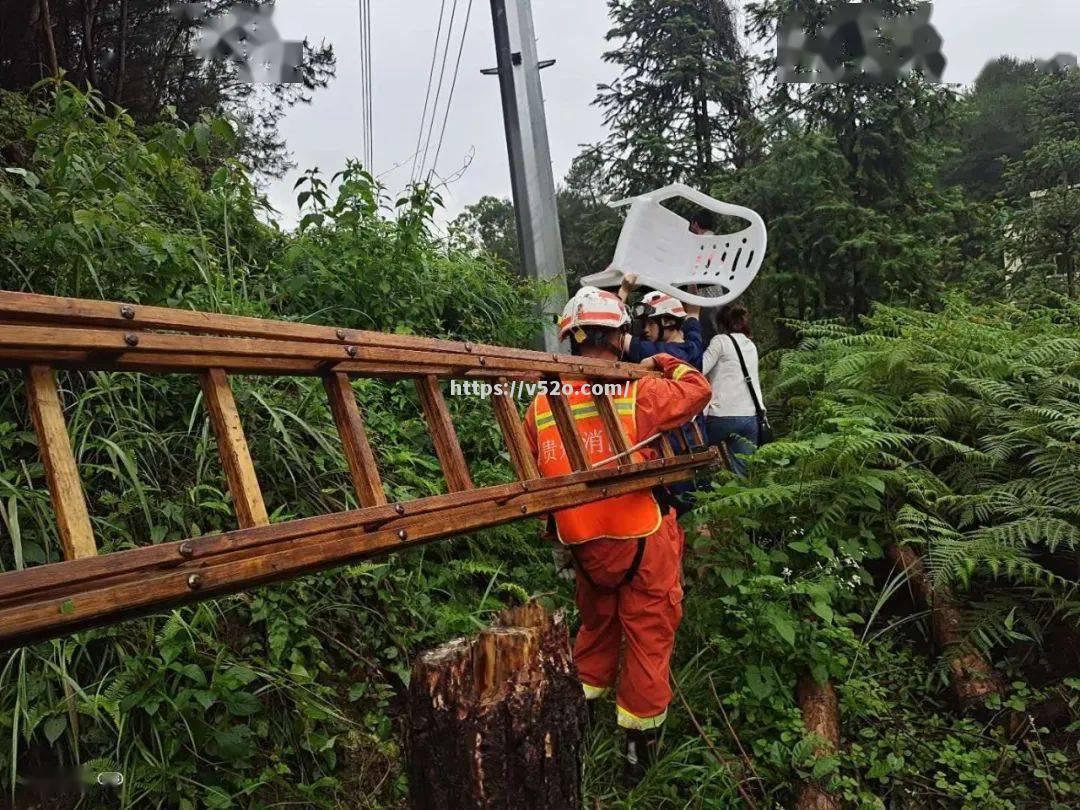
[{"x": 746, "y": 376}]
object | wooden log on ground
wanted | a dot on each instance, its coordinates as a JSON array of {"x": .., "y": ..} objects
[
  {"x": 973, "y": 678},
  {"x": 497, "y": 721},
  {"x": 821, "y": 716}
]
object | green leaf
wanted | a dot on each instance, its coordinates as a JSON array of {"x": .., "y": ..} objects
[
  {"x": 732, "y": 576},
  {"x": 874, "y": 482},
  {"x": 54, "y": 727},
  {"x": 242, "y": 704},
  {"x": 84, "y": 218},
  {"x": 879, "y": 769},
  {"x": 758, "y": 685},
  {"x": 202, "y": 140},
  {"x": 823, "y": 610},
  {"x": 783, "y": 625},
  {"x": 29, "y": 177},
  {"x": 825, "y": 766}
]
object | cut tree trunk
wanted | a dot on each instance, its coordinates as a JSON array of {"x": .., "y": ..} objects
[
  {"x": 972, "y": 677},
  {"x": 821, "y": 716},
  {"x": 497, "y": 721}
]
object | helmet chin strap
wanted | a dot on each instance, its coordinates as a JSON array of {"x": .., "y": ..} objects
[{"x": 619, "y": 347}]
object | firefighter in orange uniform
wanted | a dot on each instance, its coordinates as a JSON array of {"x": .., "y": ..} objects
[{"x": 627, "y": 552}]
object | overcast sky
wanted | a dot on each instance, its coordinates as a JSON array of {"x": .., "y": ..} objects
[{"x": 328, "y": 131}]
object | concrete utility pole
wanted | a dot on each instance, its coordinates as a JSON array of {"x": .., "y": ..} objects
[{"x": 531, "y": 176}]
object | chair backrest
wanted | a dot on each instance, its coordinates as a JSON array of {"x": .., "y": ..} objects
[{"x": 656, "y": 244}]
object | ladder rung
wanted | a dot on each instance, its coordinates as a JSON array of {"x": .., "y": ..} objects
[
  {"x": 65, "y": 487},
  {"x": 233, "y": 449},
  {"x": 612, "y": 425},
  {"x": 698, "y": 437},
  {"x": 567, "y": 425},
  {"x": 358, "y": 453},
  {"x": 455, "y": 470},
  {"x": 665, "y": 446},
  {"x": 513, "y": 432}
]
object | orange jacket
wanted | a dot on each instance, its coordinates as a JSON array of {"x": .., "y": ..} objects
[{"x": 654, "y": 405}]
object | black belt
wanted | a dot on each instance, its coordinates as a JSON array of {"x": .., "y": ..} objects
[{"x": 631, "y": 572}]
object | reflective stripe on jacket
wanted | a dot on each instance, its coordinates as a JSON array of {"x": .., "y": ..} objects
[{"x": 655, "y": 405}]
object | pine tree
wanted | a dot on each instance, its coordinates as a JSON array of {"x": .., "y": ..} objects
[
  {"x": 680, "y": 109},
  {"x": 1046, "y": 231},
  {"x": 894, "y": 240}
]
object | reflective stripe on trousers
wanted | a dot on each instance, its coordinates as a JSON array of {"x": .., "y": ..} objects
[{"x": 645, "y": 613}]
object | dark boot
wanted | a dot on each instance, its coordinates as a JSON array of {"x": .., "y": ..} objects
[
  {"x": 641, "y": 749},
  {"x": 590, "y": 708}
]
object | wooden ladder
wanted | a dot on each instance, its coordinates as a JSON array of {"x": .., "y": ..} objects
[{"x": 41, "y": 334}]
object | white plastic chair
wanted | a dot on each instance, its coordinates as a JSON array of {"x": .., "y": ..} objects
[{"x": 656, "y": 244}]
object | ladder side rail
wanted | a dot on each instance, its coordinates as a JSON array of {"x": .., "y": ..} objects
[
  {"x": 50, "y": 615},
  {"x": 117, "y": 346},
  {"x": 31, "y": 308},
  {"x": 141, "y": 561}
]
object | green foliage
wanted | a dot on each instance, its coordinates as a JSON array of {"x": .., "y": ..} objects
[
  {"x": 283, "y": 694},
  {"x": 996, "y": 126},
  {"x": 138, "y": 55},
  {"x": 1045, "y": 230},
  {"x": 955, "y": 432}
]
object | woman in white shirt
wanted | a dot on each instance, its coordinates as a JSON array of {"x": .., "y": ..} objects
[{"x": 731, "y": 417}]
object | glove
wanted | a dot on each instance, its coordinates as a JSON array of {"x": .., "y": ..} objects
[{"x": 564, "y": 562}]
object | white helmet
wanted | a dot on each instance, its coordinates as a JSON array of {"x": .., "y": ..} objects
[
  {"x": 662, "y": 305},
  {"x": 593, "y": 307}
]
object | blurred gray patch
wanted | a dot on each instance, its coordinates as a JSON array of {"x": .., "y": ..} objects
[
  {"x": 188, "y": 11},
  {"x": 859, "y": 42},
  {"x": 1059, "y": 64},
  {"x": 246, "y": 36}
]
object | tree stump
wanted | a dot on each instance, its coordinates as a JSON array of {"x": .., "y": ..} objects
[
  {"x": 821, "y": 716},
  {"x": 973, "y": 678},
  {"x": 497, "y": 721}
]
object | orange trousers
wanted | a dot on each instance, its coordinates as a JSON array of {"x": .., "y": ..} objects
[{"x": 644, "y": 612}]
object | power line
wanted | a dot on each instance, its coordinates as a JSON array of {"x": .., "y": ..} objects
[
  {"x": 427, "y": 95},
  {"x": 363, "y": 82},
  {"x": 371, "y": 91},
  {"x": 439, "y": 86},
  {"x": 366, "y": 104},
  {"x": 453, "y": 86}
]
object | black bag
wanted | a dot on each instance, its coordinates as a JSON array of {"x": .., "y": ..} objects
[{"x": 765, "y": 431}]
